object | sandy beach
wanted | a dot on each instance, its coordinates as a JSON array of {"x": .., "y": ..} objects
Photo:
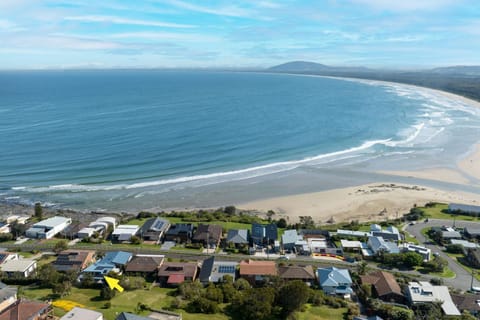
[{"x": 375, "y": 201}]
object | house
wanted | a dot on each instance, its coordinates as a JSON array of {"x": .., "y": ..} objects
[
  {"x": 464, "y": 208},
  {"x": 473, "y": 257},
  {"x": 424, "y": 292},
  {"x": 21, "y": 268},
  {"x": 357, "y": 246},
  {"x": 28, "y": 310},
  {"x": 131, "y": 316},
  {"x": 113, "y": 261},
  {"x": 86, "y": 232},
  {"x": 351, "y": 233},
  {"x": 72, "y": 230},
  {"x": 82, "y": 314},
  {"x": 73, "y": 260},
  {"x": 102, "y": 224},
  {"x": 467, "y": 302},
  {"x": 48, "y": 228},
  {"x": 154, "y": 229},
  {"x": 464, "y": 243},
  {"x": 289, "y": 239},
  {"x": 6, "y": 256},
  {"x": 264, "y": 233},
  {"x": 214, "y": 271},
  {"x": 17, "y": 219},
  {"x": 8, "y": 296},
  {"x": 423, "y": 251},
  {"x": 303, "y": 273},
  {"x": 323, "y": 246},
  {"x": 144, "y": 264},
  {"x": 124, "y": 232},
  {"x": 4, "y": 227},
  {"x": 238, "y": 238},
  {"x": 471, "y": 232},
  {"x": 208, "y": 234},
  {"x": 175, "y": 273},
  {"x": 255, "y": 271},
  {"x": 379, "y": 245},
  {"x": 335, "y": 281},
  {"x": 384, "y": 286},
  {"x": 450, "y": 234},
  {"x": 180, "y": 233},
  {"x": 391, "y": 233}
]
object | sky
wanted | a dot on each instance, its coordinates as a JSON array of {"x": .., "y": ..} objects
[{"x": 394, "y": 34}]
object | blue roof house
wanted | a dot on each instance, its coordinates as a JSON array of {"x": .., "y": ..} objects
[
  {"x": 335, "y": 281},
  {"x": 113, "y": 261},
  {"x": 378, "y": 245},
  {"x": 262, "y": 233}
]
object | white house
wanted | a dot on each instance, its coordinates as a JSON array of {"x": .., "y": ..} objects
[
  {"x": 86, "y": 232},
  {"x": 82, "y": 314},
  {"x": 17, "y": 219},
  {"x": 124, "y": 232},
  {"x": 48, "y": 228},
  {"x": 424, "y": 292},
  {"x": 424, "y": 252},
  {"x": 19, "y": 268}
]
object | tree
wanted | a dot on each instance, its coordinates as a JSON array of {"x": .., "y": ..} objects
[
  {"x": 203, "y": 305},
  {"x": 38, "y": 211},
  {"x": 230, "y": 210},
  {"x": 135, "y": 240},
  {"x": 241, "y": 284},
  {"x": 362, "y": 268},
  {"x": 214, "y": 294},
  {"x": 17, "y": 229},
  {"x": 282, "y": 223},
  {"x": 106, "y": 293},
  {"x": 292, "y": 296},
  {"x": 62, "y": 289},
  {"x": 412, "y": 259},
  {"x": 60, "y": 246},
  {"x": 255, "y": 304},
  {"x": 49, "y": 276}
]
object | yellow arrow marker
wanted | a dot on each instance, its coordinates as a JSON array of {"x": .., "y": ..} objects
[{"x": 113, "y": 283}]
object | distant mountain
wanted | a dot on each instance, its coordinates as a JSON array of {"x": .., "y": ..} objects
[
  {"x": 312, "y": 67},
  {"x": 458, "y": 70}
]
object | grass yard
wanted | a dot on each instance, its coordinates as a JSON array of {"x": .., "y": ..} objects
[
  {"x": 435, "y": 212},
  {"x": 322, "y": 313},
  {"x": 460, "y": 259}
]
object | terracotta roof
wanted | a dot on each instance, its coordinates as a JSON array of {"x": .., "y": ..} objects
[
  {"x": 189, "y": 270},
  {"x": 383, "y": 282},
  {"x": 144, "y": 264},
  {"x": 24, "y": 309},
  {"x": 254, "y": 267},
  {"x": 296, "y": 272},
  {"x": 176, "y": 278},
  {"x": 73, "y": 260}
]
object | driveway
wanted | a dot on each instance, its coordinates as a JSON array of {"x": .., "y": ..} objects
[{"x": 463, "y": 279}]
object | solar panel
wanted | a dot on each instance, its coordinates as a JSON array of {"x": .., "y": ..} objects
[{"x": 226, "y": 269}]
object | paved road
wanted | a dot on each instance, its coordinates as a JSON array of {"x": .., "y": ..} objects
[{"x": 463, "y": 279}]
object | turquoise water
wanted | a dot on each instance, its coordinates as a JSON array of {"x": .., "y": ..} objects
[{"x": 75, "y": 135}]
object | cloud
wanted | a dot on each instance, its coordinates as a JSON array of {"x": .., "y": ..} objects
[
  {"x": 229, "y": 11},
  {"x": 406, "y": 5},
  {"x": 191, "y": 37},
  {"x": 126, "y": 21}
]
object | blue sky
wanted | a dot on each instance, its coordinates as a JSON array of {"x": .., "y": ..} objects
[{"x": 249, "y": 33}]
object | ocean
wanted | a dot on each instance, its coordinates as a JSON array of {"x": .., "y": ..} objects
[{"x": 138, "y": 139}]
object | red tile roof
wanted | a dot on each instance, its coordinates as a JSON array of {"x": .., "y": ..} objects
[
  {"x": 176, "y": 278},
  {"x": 254, "y": 268},
  {"x": 24, "y": 309}
]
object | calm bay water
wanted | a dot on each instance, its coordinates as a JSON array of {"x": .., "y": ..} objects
[{"x": 70, "y": 137}]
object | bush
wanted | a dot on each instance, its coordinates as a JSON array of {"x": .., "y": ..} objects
[
  {"x": 5, "y": 237},
  {"x": 454, "y": 248}
]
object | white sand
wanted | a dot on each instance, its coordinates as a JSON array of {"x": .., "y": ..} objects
[
  {"x": 471, "y": 164},
  {"x": 366, "y": 202}
]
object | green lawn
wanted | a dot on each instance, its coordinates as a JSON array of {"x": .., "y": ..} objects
[
  {"x": 322, "y": 313},
  {"x": 460, "y": 259},
  {"x": 409, "y": 238},
  {"x": 435, "y": 212}
]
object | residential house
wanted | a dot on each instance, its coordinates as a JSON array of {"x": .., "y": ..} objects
[
  {"x": 450, "y": 234},
  {"x": 48, "y": 228},
  {"x": 335, "y": 281},
  {"x": 124, "y": 233},
  {"x": 208, "y": 234},
  {"x": 323, "y": 247},
  {"x": 112, "y": 261},
  {"x": 378, "y": 245},
  {"x": 256, "y": 271},
  {"x": 352, "y": 233},
  {"x": 237, "y": 237},
  {"x": 8, "y": 296},
  {"x": 21, "y": 268},
  {"x": 264, "y": 233},
  {"x": 471, "y": 232},
  {"x": 4, "y": 227},
  {"x": 357, "y": 246},
  {"x": 27, "y": 310},
  {"x": 175, "y": 273},
  {"x": 464, "y": 243},
  {"x": 86, "y": 232},
  {"x": 424, "y": 292},
  {"x": 102, "y": 224},
  {"x": 391, "y": 233},
  {"x": 6, "y": 256},
  {"x": 214, "y": 271},
  {"x": 154, "y": 229},
  {"x": 72, "y": 230},
  {"x": 423, "y": 251},
  {"x": 473, "y": 257},
  {"x": 289, "y": 239},
  {"x": 303, "y": 273},
  {"x": 180, "y": 233},
  {"x": 385, "y": 286},
  {"x": 467, "y": 302},
  {"x": 464, "y": 208},
  {"x": 82, "y": 314},
  {"x": 145, "y": 265},
  {"x": 131, "y": 316},
  {"x": 17, "y": 219},
  {"x": 73, "y": 260}
]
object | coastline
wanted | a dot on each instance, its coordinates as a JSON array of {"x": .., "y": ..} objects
[{"x": 373, "y": 201}]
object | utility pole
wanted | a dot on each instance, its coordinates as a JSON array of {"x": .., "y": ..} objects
[{"x": 471, "y": 283}]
